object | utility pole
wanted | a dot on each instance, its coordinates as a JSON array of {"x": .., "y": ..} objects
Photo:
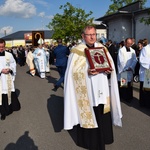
[{"x": 5, "y": 32}]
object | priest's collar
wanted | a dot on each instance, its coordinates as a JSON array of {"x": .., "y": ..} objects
[
  {"x": 94, "y": 45},
  {"x": 2, "y": 53},
  {"x": 128, "y": 49},
  {"x": 91, "y": 46}
]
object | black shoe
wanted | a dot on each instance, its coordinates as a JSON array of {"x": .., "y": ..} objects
[
  {"x": 129, "y": 100},
  {"x": 55, "y": 88},
  {"x": 3, "y": 117}
]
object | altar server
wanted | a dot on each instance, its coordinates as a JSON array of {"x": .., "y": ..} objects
[
  {"x": 126, "y": 64},
  {"x": 8, "y": 98}
]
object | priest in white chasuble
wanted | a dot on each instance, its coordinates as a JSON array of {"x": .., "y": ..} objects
[
  {"x": 40, "y": 62},
  {"x": 8, "y": 98},
  {"x": 91, "y": 99}
]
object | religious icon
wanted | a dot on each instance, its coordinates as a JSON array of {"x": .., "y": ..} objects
[
  {"x": 37, "y": 38},
  {"x": 98, "y": 59}
]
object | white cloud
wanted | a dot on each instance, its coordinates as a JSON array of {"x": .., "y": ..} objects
[
  {"x": 6, "y": 30},
  {"x": 50, "y": 17},
  {"x": 42, "y": 2},
  {"x": 42, "y": 14},
  {"x": 17, "y": 8}
]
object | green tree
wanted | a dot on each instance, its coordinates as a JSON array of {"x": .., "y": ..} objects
[
  {"x": 120, "y": 3},
  {"x": 146, "y": 20},
  {"x": 69, "y": 25}
]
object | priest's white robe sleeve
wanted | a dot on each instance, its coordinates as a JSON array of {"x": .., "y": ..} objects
[{"x": 144, "y": 57}]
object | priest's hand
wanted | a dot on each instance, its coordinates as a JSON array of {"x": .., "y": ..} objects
[
  {"x": 39, "y": 54},
  {"x": 109, "y": 71},
  {"x": 129, "y": 69},
  {"x": 92, "y": 72},
  {"x": 5, "y": 71}
]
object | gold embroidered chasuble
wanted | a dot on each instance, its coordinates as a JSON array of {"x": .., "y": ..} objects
[{"x": 87, "y": 117}]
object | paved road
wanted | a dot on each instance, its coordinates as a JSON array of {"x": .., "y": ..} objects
[{"x": 38, "y": 125}]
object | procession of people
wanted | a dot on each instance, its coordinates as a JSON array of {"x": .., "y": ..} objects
[{"x": 92, "y": 97}]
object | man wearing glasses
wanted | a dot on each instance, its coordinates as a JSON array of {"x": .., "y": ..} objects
[{"x": 88, "y": 95}]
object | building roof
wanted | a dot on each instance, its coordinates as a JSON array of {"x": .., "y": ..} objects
[
  {"x": 20, "y": 35},
  {"x": 111, "y": 16},
  {"x": 127, "y": 11},
  {"x": 132, "y": 6}
]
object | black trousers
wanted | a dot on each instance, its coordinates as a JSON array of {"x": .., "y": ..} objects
[
  {"x": 144, "y": 97},
  {"x": 126, "y": 93},
  {"x": 5, "y": 108}
]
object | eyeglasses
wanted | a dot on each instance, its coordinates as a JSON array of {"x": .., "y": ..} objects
[{"x": 91, "y": 34}]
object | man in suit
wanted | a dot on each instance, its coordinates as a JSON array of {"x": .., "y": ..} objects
[
  {"x": 61, "y": 55},
  {"x": 21, "y": 55}
]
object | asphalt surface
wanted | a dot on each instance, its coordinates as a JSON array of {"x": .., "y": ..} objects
[{"x": 39, "y": 123}]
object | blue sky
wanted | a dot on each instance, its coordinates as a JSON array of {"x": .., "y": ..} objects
[{"x": 16, "y": 15}]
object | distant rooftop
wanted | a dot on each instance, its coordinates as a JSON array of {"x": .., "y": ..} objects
[{"x": 20, "y": 35}]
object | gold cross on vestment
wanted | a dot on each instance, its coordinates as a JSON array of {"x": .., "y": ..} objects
[{"x": 99, "y": 93}]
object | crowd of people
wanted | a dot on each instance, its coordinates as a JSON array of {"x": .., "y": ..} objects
[
  {"x": 91, "y": 97},
  {"x": 132, "y": 65}
]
